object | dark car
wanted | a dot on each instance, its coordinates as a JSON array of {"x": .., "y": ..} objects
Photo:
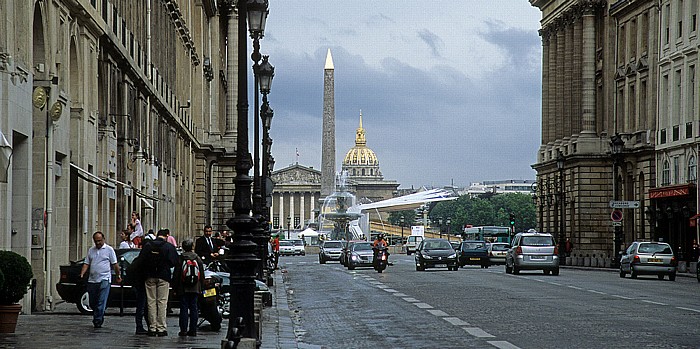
[
  {"x": 473, "y": 253},
  {"x": 435, "y": 253}
]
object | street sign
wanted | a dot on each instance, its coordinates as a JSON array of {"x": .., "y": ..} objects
[
  {"x": 616, "y": 224},
  {"x": 624, "y": 204},
  {"x": 616, "y": 215}
]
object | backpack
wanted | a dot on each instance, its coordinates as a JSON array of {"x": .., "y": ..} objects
[
  {"x": 190, "y": 272},
  {"x": 155, "y": 258}
]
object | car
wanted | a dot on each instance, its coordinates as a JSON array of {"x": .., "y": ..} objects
[
  {"x": 330, "y": 250},
  {"x": 359, "y": 254},
  {"x": 455, "y": 245},
  {"x": 533, "y": 251},
  {"x": 648, "y": 258},
  {"x": 344, "y": 252},
  {"x": 432, "y": 253},
  {"x": 497, "y": 252},
  {"x": 286, "y": 248},
  {"x": 473, "y": 252},
  {"x": 298, "y": 247},
  {"x": 412, "y": 243}
]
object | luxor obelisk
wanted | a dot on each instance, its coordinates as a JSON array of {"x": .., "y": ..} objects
[{"x": 328, "y": 141}]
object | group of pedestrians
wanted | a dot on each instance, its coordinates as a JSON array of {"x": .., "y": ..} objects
[{"x": 151, "y": 277}]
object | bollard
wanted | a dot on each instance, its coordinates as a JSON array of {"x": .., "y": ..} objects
[{"x": 586, "y": 261}]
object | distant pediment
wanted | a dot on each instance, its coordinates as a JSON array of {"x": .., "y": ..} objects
[{"x": 297, "y": 174}]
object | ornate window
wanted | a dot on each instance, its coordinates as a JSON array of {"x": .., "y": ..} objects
[
  {"x": 692, "y": 170},
  {"x": 666, "y": 173}
]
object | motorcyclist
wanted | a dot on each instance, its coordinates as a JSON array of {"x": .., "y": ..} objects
[{"x": 379, "y": 242}]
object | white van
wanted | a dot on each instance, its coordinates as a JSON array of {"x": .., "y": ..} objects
[{"x": 412, "y": 243}]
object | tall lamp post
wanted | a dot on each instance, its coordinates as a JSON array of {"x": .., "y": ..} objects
[
  {"x": 448, "y": 221},
  {"x": 562, "y": 207},
  {"x": 617, "y": 146},
  {"x": 241, "y": 258},
  {"x": 402, "y": 221}
]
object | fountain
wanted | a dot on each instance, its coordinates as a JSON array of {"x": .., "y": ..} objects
[{"x": 334, "y": 215}]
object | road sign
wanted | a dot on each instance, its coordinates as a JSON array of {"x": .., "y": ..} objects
[
  {"x": 616, "y": 215},
  {"x": 616, "y": 224},
  {"x": 624, "y": 204}
]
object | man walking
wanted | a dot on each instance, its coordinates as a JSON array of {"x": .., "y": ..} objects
[
  {"x": 187, "y": 282},
  {"x": 159, "y": 256},
  {"x": 99, "y": 260}
]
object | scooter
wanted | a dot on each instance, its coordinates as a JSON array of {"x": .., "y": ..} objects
[
  {"x": 212, "y": 300},
  {"x": 381, "y": 258}
]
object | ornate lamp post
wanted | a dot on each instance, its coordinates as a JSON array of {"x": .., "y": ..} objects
[
  {"x": 242, "y": 259},
  {"x": 617, "y": 146},
  {"x": 448, "y": 221},
  {"x": 562, "y": 207}
]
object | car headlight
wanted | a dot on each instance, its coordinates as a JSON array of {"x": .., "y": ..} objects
[
  {"x": 454, "y": 255},
  {"x": 425, "y": 256},
  {"x": 354, "y": 257}
]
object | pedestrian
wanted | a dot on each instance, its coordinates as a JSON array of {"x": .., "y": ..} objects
[
  {"x": 568, "y": 247},
  {"x": 205, "y": 246},
  {"x": 126, "y": 241},
  {"x": 99, "y": 260},
  {"x": 135, "y": 277},
  {"x": 159, "y": 257},
  {"x": 170, "y": 238},
  {"x": 188, "y": 283},
  {"x": 696, "y": 250},
  {"x": 137, "y": 233},
  {"x": 276, "y": 248}
]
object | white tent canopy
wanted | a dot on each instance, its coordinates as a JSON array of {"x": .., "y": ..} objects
[
  {"x": 408, "y": 202},
  {"x": 307, "y": 232}
]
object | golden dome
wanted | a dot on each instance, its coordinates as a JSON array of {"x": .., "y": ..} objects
[{"x": 360, "y": 161}]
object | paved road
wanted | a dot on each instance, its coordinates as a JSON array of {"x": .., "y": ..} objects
[{"x": 486, "y": 308}]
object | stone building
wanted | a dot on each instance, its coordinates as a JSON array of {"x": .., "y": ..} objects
[
  {"x": 618, "y": 72},
  {"x": 109, "y": 107}
]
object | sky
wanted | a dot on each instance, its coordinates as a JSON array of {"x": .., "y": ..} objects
[{"x": 450, "y": 91}]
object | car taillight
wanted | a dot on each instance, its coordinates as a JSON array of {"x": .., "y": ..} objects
[
  {"x": 64, "y": 276},
  {"x": 673, "y": 260},
  {"x": 556, "y": 250},
  {"x": 518, "y": 250},
  {"x": 636, "y": 259}
]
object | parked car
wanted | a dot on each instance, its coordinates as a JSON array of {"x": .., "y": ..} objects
[
  {"x": 533, "y": 251},
  {"x": 286, "y": 248},
  {"x": 435, "y": 253},
  {"x": 359, "y": 254},
  {"x": 648, "y": 258},
  {"x": 497, "y": 252},
  {"x": 472, "y": 252},
  {"x": 298, "y": 247},
  {"x": 329, "y": 250},
  {"x": 412, "y": 243}
]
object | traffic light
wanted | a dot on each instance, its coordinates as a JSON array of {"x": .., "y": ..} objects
[{"x": 512, "y": 220}]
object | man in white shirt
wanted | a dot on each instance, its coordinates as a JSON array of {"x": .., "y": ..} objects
[{"x": 100, "y": 259}]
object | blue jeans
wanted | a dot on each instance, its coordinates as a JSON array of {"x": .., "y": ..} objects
[
  {"x": 140, "y": 291},
  {"x": 98, "y": 292},
  {"x": 188, "y": 310}
]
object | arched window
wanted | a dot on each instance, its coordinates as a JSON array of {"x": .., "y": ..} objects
[
  {"x": 666, "y": 173},
  {"x": 692, "y": 170}
]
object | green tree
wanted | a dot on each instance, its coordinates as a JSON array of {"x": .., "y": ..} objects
[
  {"x": 488, "y": 210},
  {"x": 407, "y": 215}
]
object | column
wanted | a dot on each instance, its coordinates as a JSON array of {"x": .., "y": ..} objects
[
  {"x": 545, "y": 84},
  {"x": 301, "y": 209},
  {"x": 568, "y": 69},
  {"x": 312, "y": 207},
  {"x": 551, "y": 87},
  {"x": 231, "y": 74},
  {"x": 576, "y": 77},
  {"x": 283, "y": 219},
  {"x": 560, "y": 117},
  {"x": 588, "y": 71},
  {"x": 291, "y": 207}
]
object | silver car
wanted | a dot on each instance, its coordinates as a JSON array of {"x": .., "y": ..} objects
[
  {"x": 330, "y": 251},
  {"x": 648, "y": 258},
  {"x": 497, "y": 252},
  {"x": 360, "y": 254},
  {"x": 533, "y": 251}
]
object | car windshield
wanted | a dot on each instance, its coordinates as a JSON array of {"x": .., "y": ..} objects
[
  {"x": 364, "y": 246},
  {"x": 285, "y": 243},
  {"x": 655, "y": 248},
  {"x": 537, "y": 241},
  {"x": 332, "y": 244},
  {"x": 437, "y": 245},
  {"x": 473, "y": 245},
  {"x": 498, "y": 247}
]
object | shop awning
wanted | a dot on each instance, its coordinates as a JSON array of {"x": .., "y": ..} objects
[
  {"x": 89, "y": 177},
  {"x": 147, "y": 205}
]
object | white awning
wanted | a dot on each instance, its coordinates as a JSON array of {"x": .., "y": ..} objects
[
  {"x": 147, "y": 204},
  {"x": 408, "y": 202},
  {"x": 92, "y": 178}
]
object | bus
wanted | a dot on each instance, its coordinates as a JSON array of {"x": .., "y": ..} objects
[{"x": 487, "y": 233}]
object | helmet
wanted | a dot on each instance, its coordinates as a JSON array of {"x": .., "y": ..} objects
[{"x": 380, "y": 237}]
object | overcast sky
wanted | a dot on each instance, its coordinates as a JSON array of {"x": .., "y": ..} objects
[{"x": 450, "y": 91}]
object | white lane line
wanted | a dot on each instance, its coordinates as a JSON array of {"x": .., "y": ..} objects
[
  {"x": 502, "y": 345},
  {"x": 382, "y": 286},
  {"x": 554, "y": 283},
  {"x": 689, "y": 309},
  {"x": 574, "y": 287},
  {"x": 477, "y": 332},
  {"x": 596, "y": 292},
  {"x": 423, "y": 305},
  {"x": 456, "y": 321},
  {"x": 400, "y": 294},
  {"x": 652, "y": 302},
  {"x": 621, "y": 297},
  {"x": 438, "y": 312},
  {"x": 411, "y": 299},
  {"x": 391, "y": 290}
]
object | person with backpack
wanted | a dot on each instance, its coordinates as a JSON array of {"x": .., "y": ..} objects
[
  {"x": 188, "y": 283},
  {"x": 159, "y": 256}
]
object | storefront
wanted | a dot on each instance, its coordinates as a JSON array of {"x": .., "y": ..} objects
[{"x": 670, "y": 213}]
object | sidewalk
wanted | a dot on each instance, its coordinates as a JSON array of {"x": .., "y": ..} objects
[{"x": 66, "y": 328}]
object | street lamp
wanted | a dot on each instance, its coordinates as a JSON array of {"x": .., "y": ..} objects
[
  {"x": 448, "y": 221},
  {"x": 402, "y": 221},
  {"x": 562, "y": 206},
  {"x": 617, "y": 147},
  {"x": 241, "y": 258},
  {"x": 266, "y": 72}
]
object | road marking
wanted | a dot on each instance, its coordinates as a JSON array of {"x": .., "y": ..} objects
[
  {"x": 477, "y": 332},
  {"x": 381, "y": 286},
  {"x": 621, "y": 297},
  {"x": 410, "y": 299},
  {"x": 400, "y": 294},
  {"x": 423, "y": 305},
  {"x": 390, "y": 290},
  {"x": 502, "y": 345},
  {"x": 438, "y": 312},
  {"x": 456, "y": 321},
  {"x": 690, "y": 309},
  {"x": 596, "y": 292},
  {"x": 652, "y": 302},
  {"x": 554, "y": 283},
  {"x": 574, "y": 287}
]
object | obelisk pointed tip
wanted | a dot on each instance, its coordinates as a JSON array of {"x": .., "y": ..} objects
[{"x": 329, "y": 61}]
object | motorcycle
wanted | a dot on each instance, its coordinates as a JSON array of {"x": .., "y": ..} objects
[
  {"x": 214, "y": 300},
  {"x": 381, "y": 258}
]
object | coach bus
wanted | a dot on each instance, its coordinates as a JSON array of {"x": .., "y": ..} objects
[{"x": 487, "y": 233}]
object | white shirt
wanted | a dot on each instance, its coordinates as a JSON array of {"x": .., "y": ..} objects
[
  {"x": 126, "y": 244},
  {"x": 100, "y": 261}
]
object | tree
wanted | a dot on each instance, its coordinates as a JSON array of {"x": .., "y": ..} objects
[
  {"x": 408, "y": 217},
  {"x": 489, "y": 210}
]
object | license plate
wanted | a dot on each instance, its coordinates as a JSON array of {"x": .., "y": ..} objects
[
  {"x": 209, "y": 292},
  {"x": 474, "y": 259},
  {"x": 538, "y": 258},
  {"x": 654, "y": 260},
  {"x": 441, "y": 265}
]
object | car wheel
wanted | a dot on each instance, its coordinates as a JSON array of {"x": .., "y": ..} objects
[
  {"x": 545, "y": 272},
  {"x": 83, "y": 304},
  {"x": 516, "y": 270},
  {"x": 633, "y": 274},
  {"x": 622, "y": 273},
  {"x": 508, "y": 269},
  {"x": 351, "y": 267},
  {"x": 672, "y": 277},
  {"x": 420, "y": 268},
  {"x": 660, "y": 276},
  {"x": 555, "y": 272},
  {"x": 321, "y": 260},
  {"x": 408, "y": 253}
]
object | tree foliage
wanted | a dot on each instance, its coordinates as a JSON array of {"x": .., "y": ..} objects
[{"x": 487, "y": 210}]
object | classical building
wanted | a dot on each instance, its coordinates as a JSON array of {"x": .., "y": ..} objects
[
  {"x": 109, "y": 107},
  {"x": 619, "y": 112}
]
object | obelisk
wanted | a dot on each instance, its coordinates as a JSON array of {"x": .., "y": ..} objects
[{"x": 328, "y": 141}]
